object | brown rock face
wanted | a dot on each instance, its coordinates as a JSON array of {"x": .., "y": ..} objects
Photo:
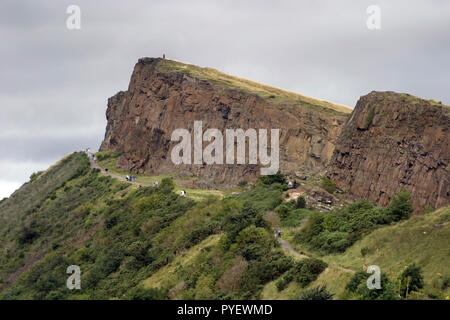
[
  {"x": 142, "y": 119},
  {"x": 395, "y": 142}
]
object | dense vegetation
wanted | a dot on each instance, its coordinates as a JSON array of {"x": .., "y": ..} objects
[
  {"x": 120, "y": 235},
  {"x": 150, "y": 243},
  {"x": 338, "y": 230}
]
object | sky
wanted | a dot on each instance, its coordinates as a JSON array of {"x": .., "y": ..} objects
[{"x": 55, "y": 82}]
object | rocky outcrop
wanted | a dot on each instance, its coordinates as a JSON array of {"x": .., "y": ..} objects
[
  {"x": 394, "y": 142},
  {"x": 142, "y": 119}
]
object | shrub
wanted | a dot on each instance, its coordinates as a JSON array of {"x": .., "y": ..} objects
[
  {"x": 35, "y": 175},
  {"x": 242, "y": 183},
  {"x": 28, "y": 233},
  {"x": 303, "y": 272},
  {"x": 317, "y": 293},
  {"x": 300, "y": 203},
  {"x": 328, "y": 185},
  {"x": 339, "y": 229},
  {"x": 283, "y": 211},
  {"x": 253, "y": 242},
  {"x": 358, "y": 287},
  {"x": 428, "y": 209},
  {"x": 167, "y": 185},
  {"x": 275, "y": 178},
  {"x": 234, "y": 223},
  {"x": 400, "y": 206},
  {"x": 411, "y": 279}
]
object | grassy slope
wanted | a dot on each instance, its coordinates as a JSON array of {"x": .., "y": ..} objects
[
  {"x": 109, "y": 160},
  {"x": 71, "y": 205},
  {"x": 391, "y": 248},
  {"x": 167, "y": 276},
  {"x": 415, "y": 240},
  {"x": 118, "y": 234},
  {"x": 272, "y": 94}
]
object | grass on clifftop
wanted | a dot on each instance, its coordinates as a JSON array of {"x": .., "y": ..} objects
[{"x": 269, "y": 93}]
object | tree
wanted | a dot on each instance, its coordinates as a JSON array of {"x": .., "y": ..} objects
[
  {"x": 400, "y": 206},
  {"x": 275, "y": 178},
  {"x": 317, "y": 293},
  {"x": 411, "y": 279},
  {"x": 301, "y": 203},
  {"x": 358, "y": 286},
  {"x": 167, "y": 185},
  {"x": 328, "y": 185}
]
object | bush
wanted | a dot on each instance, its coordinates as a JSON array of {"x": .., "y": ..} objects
[
  {"x": 242, "y": 183},
  {"x": 358, "y": 287},
  {"x": 167, "y": 185},
  {"x": 275, "y": 178},
  {"x": 317, "y": 293},
  {"x": 29, "y": 233},
  {"x": 328, "y": 185},
  {"x": 411, "y": 279},
  {"x": 253, "y": 242},
  {"x": 35, "y": 175},
  {"x": 283, "y": 211},
  {"x": 400, "y": 206},
  {"x": 339, "y": 229},
  {"x": 300, "y": 203},
  {"x": 303, "y": 272}
]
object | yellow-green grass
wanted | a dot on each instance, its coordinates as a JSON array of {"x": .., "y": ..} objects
[
  {"x": 270, "y": 291},
  {"x": 424, "y": 240},
  {"x": 333, "y": 277},
  {"x": 195, "y": 194},
  {"x": 272, "y": 94},
  {"x": 167, "y": 276}
]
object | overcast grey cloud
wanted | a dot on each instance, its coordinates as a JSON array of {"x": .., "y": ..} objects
[{"x": 54, "y": 82}]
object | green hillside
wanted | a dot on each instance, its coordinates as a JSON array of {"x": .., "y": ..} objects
[{"x": 151, "y": 243}]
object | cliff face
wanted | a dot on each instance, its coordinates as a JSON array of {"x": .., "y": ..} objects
[
  {"x": 394, "y": 142},
  {"x": 165, "y": 95}
]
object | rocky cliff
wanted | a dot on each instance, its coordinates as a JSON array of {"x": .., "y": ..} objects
[
  {"x": 394, "y": 142},
  {"x": 164, "y": 95}
]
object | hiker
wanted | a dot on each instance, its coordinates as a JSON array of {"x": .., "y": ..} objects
[
  {"x": 290, "y": 185},
  {"x": 279, "y": 234},
  {"x": 156, "y": 183},
  {"x": 295, "y": 184},
  {"x": 106, "y": 170},
  {"x": 133, "y": 178}
]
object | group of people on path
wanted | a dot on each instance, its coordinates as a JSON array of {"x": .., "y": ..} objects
[
  {"x": 91, "y": 155},
  {"x": 277, "y": 233},
  {"x": 292, "y": 185},
  {"x": 128, "y": 178}
]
